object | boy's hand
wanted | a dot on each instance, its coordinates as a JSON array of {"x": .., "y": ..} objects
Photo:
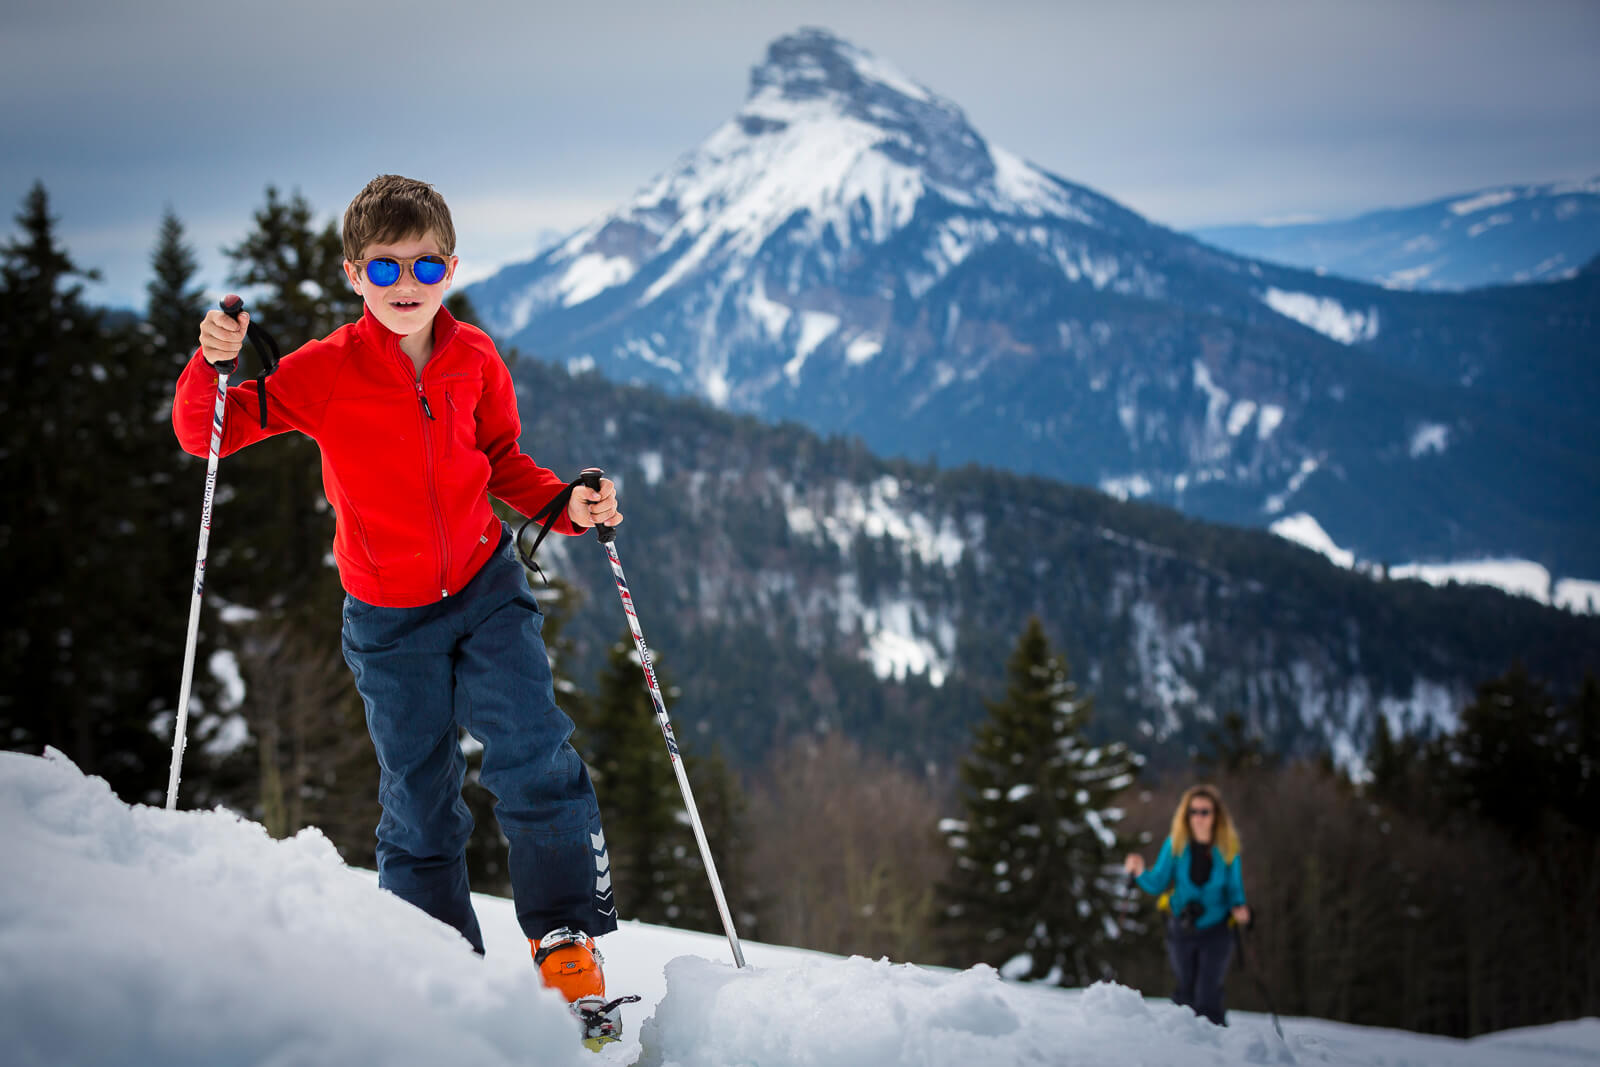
[
  {"x": 221, "y": 337},
  {"x": 590, "y": 508}
]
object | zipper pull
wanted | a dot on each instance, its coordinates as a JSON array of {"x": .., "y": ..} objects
[{"x": 426, "y": 410}]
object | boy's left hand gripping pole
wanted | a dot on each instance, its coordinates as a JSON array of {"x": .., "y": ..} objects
[{"x": 232, "y": 306}]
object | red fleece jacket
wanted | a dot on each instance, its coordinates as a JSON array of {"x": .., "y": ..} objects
[{"x": 410, "y": 492}]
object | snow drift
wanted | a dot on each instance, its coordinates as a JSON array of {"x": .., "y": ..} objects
[{"x": 134, "y": 935}]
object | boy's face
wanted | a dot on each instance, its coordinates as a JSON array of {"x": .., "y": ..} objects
[{"x": 407, "y": 306}]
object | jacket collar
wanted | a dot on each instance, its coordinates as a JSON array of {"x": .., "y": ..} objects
[{"x": 381, "y": 338}]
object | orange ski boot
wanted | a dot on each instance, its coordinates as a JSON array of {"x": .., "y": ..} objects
[{"x": 570, "y": 963}]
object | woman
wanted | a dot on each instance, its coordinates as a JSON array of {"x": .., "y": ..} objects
[{"x": 1199, "y": 868}]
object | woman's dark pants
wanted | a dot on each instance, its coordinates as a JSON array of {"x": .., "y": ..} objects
[{"x": 1200, "y": 962}]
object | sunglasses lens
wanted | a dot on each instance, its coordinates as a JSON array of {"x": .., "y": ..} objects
[
  {"x": 429, "y": 270},
  {"x": 383, "y": 271}
]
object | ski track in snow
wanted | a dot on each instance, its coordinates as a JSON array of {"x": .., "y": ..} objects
[{"x": 134, "y": 935}]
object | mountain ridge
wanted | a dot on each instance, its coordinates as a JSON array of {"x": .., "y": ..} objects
[
  {"x": 839, "y": 590},
  {"x": 803, "y": 263},
  {"x": 1498, "y": 235}
]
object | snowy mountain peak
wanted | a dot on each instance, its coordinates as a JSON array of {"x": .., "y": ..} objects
[
  {"x": 833, "y": 154},
  {"x": 814, "y": 74},
  {"x": 812, "y": 63}
]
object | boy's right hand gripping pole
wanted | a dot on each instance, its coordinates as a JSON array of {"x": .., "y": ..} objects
[{"x": 608, "y": 535}]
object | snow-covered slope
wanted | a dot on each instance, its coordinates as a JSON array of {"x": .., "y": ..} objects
[
  {"x": 1503, "y": 235},
  {"x": 1519, "y": 577},
  {"x": 139, "y": 936}
]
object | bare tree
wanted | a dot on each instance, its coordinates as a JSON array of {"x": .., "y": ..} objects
[{"x": 846, "y": 846}]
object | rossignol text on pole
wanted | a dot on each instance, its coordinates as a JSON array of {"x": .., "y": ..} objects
[
  {"x": 231, "y": 305},
  {"x": 607, "y": 536}
]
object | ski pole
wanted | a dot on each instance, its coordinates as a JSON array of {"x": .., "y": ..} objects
[
  {"x": 1261, "y": 987},
  {"x": 232, "y": 306},
  {"x": 607, "y": 535}
]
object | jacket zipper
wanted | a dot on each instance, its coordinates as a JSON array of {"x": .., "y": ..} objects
[{"x": 423, "y": 418}]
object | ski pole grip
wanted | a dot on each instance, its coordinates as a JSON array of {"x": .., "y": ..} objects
[
  {"x": 231, "y": 307},
  {"x": 591, "y": 480}
]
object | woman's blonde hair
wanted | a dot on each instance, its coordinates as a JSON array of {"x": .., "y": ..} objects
[{"x": 1223, "y": 835}]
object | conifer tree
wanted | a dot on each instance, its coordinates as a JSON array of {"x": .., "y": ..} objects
[
  {"x": 723, "y": 815},
  {"x": 1035, "y": 883},
  {"x": 655, "y": 860},
  {"x": 636, "y": 789},
  {"x": 175, "y": 305},
  {"x": 75, "y": 672}
]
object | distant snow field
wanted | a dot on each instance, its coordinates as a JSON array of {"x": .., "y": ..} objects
[
  {"x": 134, "y": 935},
  {"x": 1519, "y": 577},
  {"x": 1325, "y": 315}
]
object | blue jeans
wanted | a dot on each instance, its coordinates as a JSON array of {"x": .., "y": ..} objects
[
  {"x": 1200, "y": 963},
  {"x": 477, "y": 660}
]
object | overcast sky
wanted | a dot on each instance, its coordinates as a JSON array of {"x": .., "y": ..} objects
[{"x": 532, "y": 117}]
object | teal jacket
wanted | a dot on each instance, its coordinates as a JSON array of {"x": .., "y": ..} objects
[{"x": 1223, "y": 891}]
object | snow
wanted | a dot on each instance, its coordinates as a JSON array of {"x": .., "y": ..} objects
[
  {"x": 1271, "y": 419},
  {"x": 1278, "y": 501},
  {"x": 651, "y": 465},
  {"x": 883, "y": 72},
  {"x": 1304, "y": 529},
  {"x": 1477, "y": 229},
  {"x": 135, "y": 935},
  {"x": 225, "y": 669},
  {"x": 1429, "y": 437},
  {"x": 592, "y": 274},
  {"x": 735, "y": 191},
  {"x": 771, "y": 315},
  {"x": 1325, "y": 315},
  {"x": 1517, "y": 576},
  {"x": 1408, "y": 278},
  {"x": 1240, "y": 416},
  {"x": 1022, "y": 188},
  {"x": 894, "y": 647},
  {"x": 1131, "y": 487},
  {"x": 862, "y": 349},
  {"x": 1577, "y": 595},
  {"x": 1483, "y": 201},
  {"x": 815, "y": 328}
]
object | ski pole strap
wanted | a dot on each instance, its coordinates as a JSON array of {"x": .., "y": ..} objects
[
  {"x": 267, "y": 352},
  {"x": 546, "y": 518}
]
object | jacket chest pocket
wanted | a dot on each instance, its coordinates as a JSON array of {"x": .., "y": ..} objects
[{"x": 460, "y": 420}]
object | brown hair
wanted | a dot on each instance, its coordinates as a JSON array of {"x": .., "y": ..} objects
[
  {"x": 1223, "y": 835},
  {"x": 392, "y": 208}
]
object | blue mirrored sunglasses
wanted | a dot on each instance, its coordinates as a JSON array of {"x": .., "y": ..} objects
[{"x": 384, "y": 271}]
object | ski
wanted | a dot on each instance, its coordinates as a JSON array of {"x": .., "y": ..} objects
[{"x": 601, "y": 1024}]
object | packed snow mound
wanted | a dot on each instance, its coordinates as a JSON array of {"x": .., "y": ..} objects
[
  {"x": 857, "y": 1013},
  {"x": 136, "y": 935}
]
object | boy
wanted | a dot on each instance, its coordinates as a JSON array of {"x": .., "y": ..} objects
[{"x": 416, "y": 418}]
